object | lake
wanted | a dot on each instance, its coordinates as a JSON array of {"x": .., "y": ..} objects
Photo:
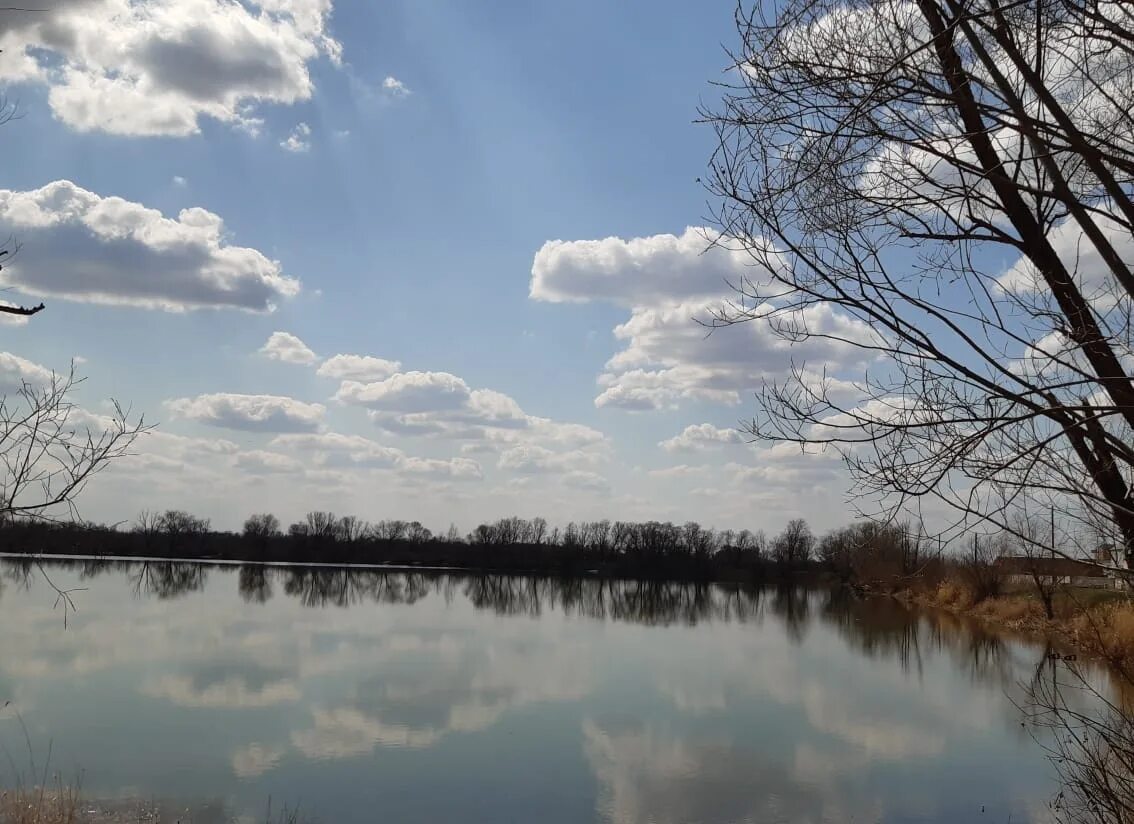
[{"x": 426, "y": 696}]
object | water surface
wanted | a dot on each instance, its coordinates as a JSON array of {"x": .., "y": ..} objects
[{"x": 372, "y": 695}]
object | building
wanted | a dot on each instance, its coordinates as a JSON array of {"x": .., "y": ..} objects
[{"x": 1018, "y": 569}]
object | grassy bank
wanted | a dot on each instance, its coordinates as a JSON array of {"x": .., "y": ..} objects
[
  {"x": 1099, "y": 623},
  {"x": 62, "y": 804}
]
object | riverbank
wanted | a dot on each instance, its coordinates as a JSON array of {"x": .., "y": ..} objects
[
  {"x": 1097, "y": 623},
  {"x": 64, "y": 804}
]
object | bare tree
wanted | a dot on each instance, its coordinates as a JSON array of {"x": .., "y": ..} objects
[
  {"x": 350, "y": 529},
  {"x": 792, "y": 547},
  {"x": 946, "y": 188},
  {"x": 262, "y": 527},
  {"x": 148, "y": 525},
  {"x": 50, "y": 449},
  {"x": 1038, "y": 548}
]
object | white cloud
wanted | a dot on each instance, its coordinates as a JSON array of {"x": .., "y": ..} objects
[
  {"x": 255, "y": 413},
  {"x": 407, "y": 392},
  {"x": 364, "y": 368},
  {"x": 455, "y": 468},
  {"x": 178, "y": 180},
  {"x": 679, "y": 471},
  {"x": 16, "y": 371},
  {"x": 254, "y": 760},
  {"x": 442, "y": 405},
  {"x": 537, "y": 460},
  {"x": 699, "y": 436},
  {"x": 642, "y": 271},
  {"x": 581, "y": 479},
  {"x": 333, "y": 450},
  {"x": 82, "y": 246},
  {"x": 232, "y": 693},
  {"x": 299, "y": 140},
  {"x": 669, "y": 283},
  {"x": 154, "y": 67},
  {"x": 286, "y": 347},
  {"x": 395, "y": 88},
  {"x": 338, "y": 450},
  {"x": 262, "y": 462},
  {"x": 1081, "y": 257}
]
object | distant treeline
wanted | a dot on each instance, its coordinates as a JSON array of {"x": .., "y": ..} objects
[
  {"x": 606, "y": 548},
  {"x": 876, "y": 557}
]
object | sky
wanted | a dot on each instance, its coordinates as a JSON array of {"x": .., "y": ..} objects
[{"x": 420, "y": 259}]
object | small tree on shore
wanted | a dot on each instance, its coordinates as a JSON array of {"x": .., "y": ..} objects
[{"x": 1045, "y": 583}]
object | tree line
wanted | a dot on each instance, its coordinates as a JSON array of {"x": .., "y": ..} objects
[
  {"x": 885, "y": 557},
  {"x": 602, "y": 547}
]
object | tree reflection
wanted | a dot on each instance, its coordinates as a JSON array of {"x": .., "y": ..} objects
[
  {"x": 1087, "y": 731},
  {"x": 877, "y": 627},
  {"x": 792, "y": 605},
  {"x": 344, "y": 587},
  {"x": 255, "y": 584},
  {"x": 167, "y": 579}
]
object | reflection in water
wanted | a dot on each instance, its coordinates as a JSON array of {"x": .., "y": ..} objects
[
  {"x": 166, "y": 579},
  {"x": 1090, "y": 740},
  {"x": 255, "y": 584},
  {"x": 647, "y": 700},
  {"x": 655, "y": 603},
  {"x": 342, "y": 587}
]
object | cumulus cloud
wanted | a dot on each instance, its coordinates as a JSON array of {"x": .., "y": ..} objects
[
  {"x": 254, "y": 413},
  {"x": 395, "y": 88},
  {"x": 407, "y": 392},
  {"x": 699, "y": 436},
  {"x": 336, "y": 449},
  {"x": 537, "y": 460},
  {"x": 1082, "y": 257},
  {"x": 16, "y": 371},
  {"x": 442, "y": 405},
  {"x": 642, "y": 271},
  {"x": 286, "y": 347},
  {"x": 299, "y": 140},
  {"x": 262, "y": 462},
  {"x": 333, "y": 450},
  {"x": 668, "y": 283},
  {"x": 82, "y": 246},
  {"x": 363, "y": 368},
  {"x": 154, "y": 67},
  {"x": 438, "y": 468}
]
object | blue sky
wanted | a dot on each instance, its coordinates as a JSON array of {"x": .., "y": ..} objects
[{"x": 435, "y": 148}]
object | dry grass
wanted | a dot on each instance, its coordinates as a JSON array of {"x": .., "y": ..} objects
[
  {"x": 1106, "y": 629},
  {"x": 1096, "y": 622},
  {"x": 953, "y": 595},
  {"x": 57, "y": 805},
  {"x": 64, "y": 805},
  {"x": 1012, "y": 611}
]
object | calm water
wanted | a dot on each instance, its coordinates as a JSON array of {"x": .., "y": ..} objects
[{"x": 428, "y": 697}]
